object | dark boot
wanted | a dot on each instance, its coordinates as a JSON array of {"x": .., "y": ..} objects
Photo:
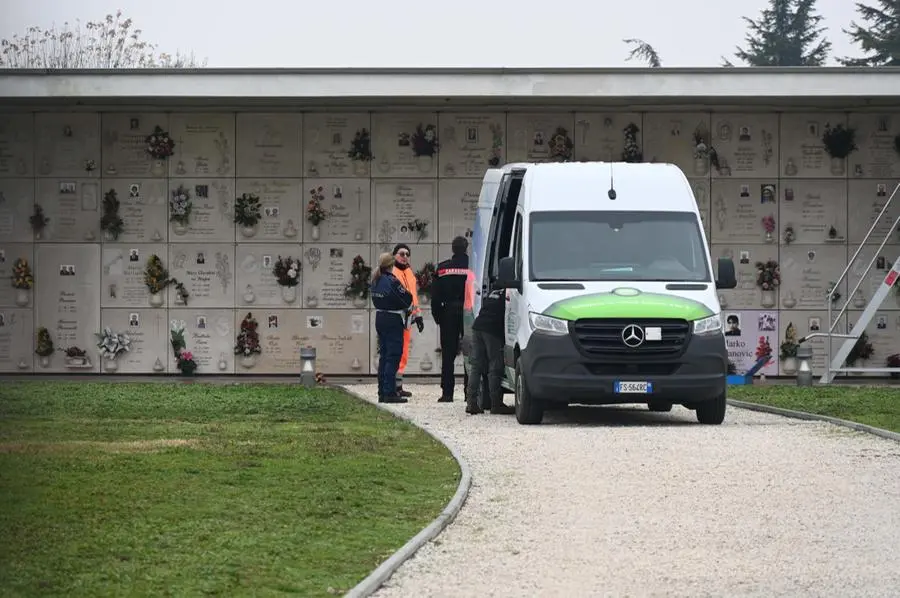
[
  {"x": 445, "y": 399},
  {"x": 498, "y": 407},
  {"x": 473, "y": 409},
  {"x": 403, "y": 393},
  {"x": 391, "y": 399}
]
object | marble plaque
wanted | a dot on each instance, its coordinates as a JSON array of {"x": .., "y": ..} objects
[
  {"x": 340, "y": 337},
  {"x": 268, "y": 145},
  {"x": 399, "y": 150},
  {"x": 747, "y": 295},
  {"x": 745, "y": 332},
  {"x": 16, "y": 145},
  {"x": 806, "y": 322},
  {"x": 122, "y": 274},
  {"x": 884, "y": 334},
  {"x": 877, "y": 157},
  {"x": 204, "y": 144},
  {"x": 670, "y": 137},
  {"x": 866, "y": 200},
  {"x": 125, "y": 144},
  {"x": 212, "y": 211},
  {"x": 807, "y": 273},
  {"x": 600, "y": 136},
  {"x": 875, "y": 276},
  {"x": 206, "y": 271},
  {"x": 802, "y": 151},
  {"x": 280, "y": 209},
  {"x": 9, "y": 253},
  {"x": 17, "y": 337},
  {"x": 746, "y": 145},
  {"x": 700, "y": 187},
  {"x": 812, "y": 208},
  {"x": 326, "y": 273},
  {"x": 67, "y": 144},
  {"x": 74, "y": 207},
  {"x": 471, "y": 143},
  {"x": 532, "y": 137},
  {"x": 68, "y": 303},
  {"x": 143, "y": 206},
  {"x": 282, "y": 332},
  {"x": 424, "y": 349},
  {"x": 209, "y": 334},
  {"x": 457, "y": 207},
  {"x": 256, "y": 284},
  {"x": 402, "y": 209},
  {"x": 738, "y": 208},
  {"x": 347, "y": 205},
  {"x": 148, "y": 330},
  {"x": 16, "y": 208},
  {"x": 327, "y": 141}
]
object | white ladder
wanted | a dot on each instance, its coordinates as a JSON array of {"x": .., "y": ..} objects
[{"x": 835, "y": 363}]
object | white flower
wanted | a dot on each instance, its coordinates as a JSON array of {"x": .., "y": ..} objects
[{"x": 292, "y": 273}]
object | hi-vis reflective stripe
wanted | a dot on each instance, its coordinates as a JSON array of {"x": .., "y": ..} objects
[
  {"x": 453, "y": 272},
  {"x": 469, "y": 303}
]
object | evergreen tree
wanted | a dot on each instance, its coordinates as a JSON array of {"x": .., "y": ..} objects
[
  {"x": 786, "y": 34},
  {"x": 881, "y": 41},
  {"x": 641, "y": 50}
]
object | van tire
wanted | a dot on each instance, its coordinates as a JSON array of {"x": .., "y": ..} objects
[
  {"x": 659, "y": 407},
  {"x": 712, "y": 413},
  {"x": 529, "y": 410}
]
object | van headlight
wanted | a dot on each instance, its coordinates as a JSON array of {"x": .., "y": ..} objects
[
  {"x": 710, "y": 325},
  {"x": 547, "y": 324}
]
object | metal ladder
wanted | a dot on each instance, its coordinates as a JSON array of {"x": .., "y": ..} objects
[{"x": 835, "y": 363}]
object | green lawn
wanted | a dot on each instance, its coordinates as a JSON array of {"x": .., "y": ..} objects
[
  {"x": 873, "y": 406},
  {"x": 174, "y": 489}
]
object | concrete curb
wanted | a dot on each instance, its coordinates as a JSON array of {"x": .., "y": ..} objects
[
  {"x": 379, "y": 576},
  {"x": 813, "y": 417}
]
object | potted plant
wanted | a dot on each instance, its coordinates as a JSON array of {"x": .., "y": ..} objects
[
  {"x": 418, "y": 228},
  {"x": 76, "y": 357},
  {"x": 424, "y": 144},
  {"x": 893, "y": 361},
  {"x": 38, "y": 221},
  {"x": 180, "y": 206},
  {"x": 111, "y": 345},
  {"x": 22, "y": 281},
  {"x": 361, "y": 152},
  {"x": 247, "y": 345},
  {"x": 357, "y": 289},
  {"x": 561, "y": 145},
  {"x": 314, "y": 211},
  {"x": 424, "y": 281},
  {"x": 287, "y": 274},
  {"x": 111, "y": 223},
  {"x": 44, "y": 348},
  {"x": 160, "y": 147},
  {"x": 788, "y": 351},
  {"x": 184, "y": 359},
  {"x": 862, "y": 351},
  {"x": 768, "y": 223},
  {"x": 247, "y": 213},
  {"x": 839, "y": 142},
  {"x": 768, "y": 279},
  {"x": 157, "y": 278},
  {"x": 631, "y": 152}
]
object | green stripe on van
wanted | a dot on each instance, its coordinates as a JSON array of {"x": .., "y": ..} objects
[{"x": 640, "y": 305}]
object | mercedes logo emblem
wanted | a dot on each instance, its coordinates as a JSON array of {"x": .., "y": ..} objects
[{"x": 633, "y": 336}]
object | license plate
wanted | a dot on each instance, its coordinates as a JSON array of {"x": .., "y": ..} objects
[{"x": 634, "y": 387}]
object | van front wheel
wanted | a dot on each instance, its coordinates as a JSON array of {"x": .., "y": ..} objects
[
  {"x": 529, "y": 410},
  {"x": 712, "y": 412}
]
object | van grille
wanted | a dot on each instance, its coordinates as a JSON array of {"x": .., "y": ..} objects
[{"x": 603, "y": 336}]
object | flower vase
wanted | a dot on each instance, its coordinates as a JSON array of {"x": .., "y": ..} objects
[
  {"x": 223, "y": 363},
  {"x": 768, "y": 299},
  {"x": 861, "y": 365},
  {"x": 248, "y": 361},
  {"x": 425, "y": 163},
  {"x": 158, "y": 168},
  {"x": 790, "y": 169},
  {"x": 723, "y": 301},
  {"x": 22, "y": 297},
  {"x": 424, "y": 299},
  {"x": 426, "y": 364},
  {"x": 360, "y": 302},
  {"x": 838, "y": 167},
  {"x": 701, "y": 166},
  {"x": 858, "y": 300},
  {"x": 38, "y": 236},
  {"x": 158, "y": 365},
  {"x": 178, "y": 228},
  {"x": 312, "y": 301},
  {"x": 249, "y": 295},
  {"x": 789, "y": 366},
  {"x": 355, "y": 365},
  {"x": 360, "y": 168},
  {"x": 110, "y": 364},
  {"x": 289, "y": 294},
  {"x": 248, "y": 231},
  {"x": 290, "y": 231},
  {"x": 315, "y": 232},
  {"x": 770, "y": 238},
  {"x": 108, "y": 236},
  {"x": 45, "y": 361},
  {"x": 789, "y": 301},
  {"x": 156, "y": 300},
  {"x": 187, "y": 371}
]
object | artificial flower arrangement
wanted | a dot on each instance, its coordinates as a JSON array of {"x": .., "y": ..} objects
[
  {"x": 184, "y": 359},
  {"x": 90, "y": 165},
  {"x": 763, "y": 349},
  {"x": 38, "y": 220},
  {"x": 287, "y": 271},
  {"x": 832, "y": 233},
  {"x": 631, "y": 152},
  {"x": 247, "y": 211},
  {"x": 44, "y": 343},
  {"x": 314, "y": 211},
  {"x": 180, "y": 205},
  {"x": 835, "y": 294},
  {"x": 159, "y": 145},
  {"x": 361, "y": 147},
  {"x": 110, "y": 221},
  {"x": 77, "y": 354},
  {"x": 839, "y": 141},
  {"x": 768, "y": 275},
  {"x": 703, "y": 149},
  {"x": 789, "y": 345},
  {"x": 561, "y": 145},
  {"x": 360, "y": 274},
  {"x": 22, "y": 278},
  {"x": 789, "y": 235},
  {"x": 768, "y": 223},
  {"x": 862, "y": 350},
  {"x": 419, "y": 227},
  {"x": 496, "y": 145},
  {"x": 157, "y": 278},
  {"x": 112, "y": 344},
  {"x": 424, "y": 141},
  {"x": 425, "y": 278},
  {"x": 248, "y": 338}
]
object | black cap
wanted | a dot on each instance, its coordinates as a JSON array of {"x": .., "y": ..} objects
[{"x": 400, "y": 246}]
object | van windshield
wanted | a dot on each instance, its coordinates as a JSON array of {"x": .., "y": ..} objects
[{"x": 601, "y": 246}]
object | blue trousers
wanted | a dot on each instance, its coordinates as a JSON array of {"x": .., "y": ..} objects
[{"x": 390, "y": 348}]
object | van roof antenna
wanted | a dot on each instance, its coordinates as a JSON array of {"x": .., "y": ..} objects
[{"x": 612, "y": 189}]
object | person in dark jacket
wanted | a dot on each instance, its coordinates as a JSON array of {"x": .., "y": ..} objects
[
  {"x": 447, "y": 300},
  {"x": 487, "y": 355},
  {"x": 392, "y": 303}
]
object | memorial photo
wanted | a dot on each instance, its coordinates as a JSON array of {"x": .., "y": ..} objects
[
  {"x": 881, "y": 190},
  {"x": 201, "y": 322},
  {"x": 745, "y": 256},
  {"x": 767, "y": 193},
  {"x": 134, "y": 191},
  {"x": 67, "y": 188},
  {"x": 732, "y": 325},
  {"x": 767, "y": 322},
  {"x": 273, "y": 321},
  {"x": 134, "y": 320},
  {"x": 134, "y": 124},
  {"x": 881, "y": 323},
  {"x": 814, "y": 324},
  {"x": 134, "y": 255}
]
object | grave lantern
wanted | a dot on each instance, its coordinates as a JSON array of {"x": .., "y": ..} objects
[
  {"x": 308, "y": 366},
  {"x": 804, "y": 368}
]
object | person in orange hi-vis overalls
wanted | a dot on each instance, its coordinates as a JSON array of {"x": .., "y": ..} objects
[{"x": 404, "y": 273}]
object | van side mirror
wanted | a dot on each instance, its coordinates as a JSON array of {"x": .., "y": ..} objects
[
  {"x": 726, "y": 278},
  {"x": 506, "y": 275}
]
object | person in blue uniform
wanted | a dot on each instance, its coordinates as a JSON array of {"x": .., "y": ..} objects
[{"x": 392, "y": 303}]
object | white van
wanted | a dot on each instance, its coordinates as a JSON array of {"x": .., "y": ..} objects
[{"x": 611, "y": 294}]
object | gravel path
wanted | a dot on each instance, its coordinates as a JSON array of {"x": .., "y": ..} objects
[{"x": 623, "y": 502}]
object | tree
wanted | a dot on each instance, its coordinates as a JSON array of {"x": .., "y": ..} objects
[
  {"x": 786, "y": 34},
  {"x": 643, "y": 51},
  {"x": 881, "y": 41},
  {"x": 107, "y": 44}
]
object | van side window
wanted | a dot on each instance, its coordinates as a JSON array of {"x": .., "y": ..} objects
[
  {"x": 502, "y": 225},
  {"x": 517, "y": 244}
]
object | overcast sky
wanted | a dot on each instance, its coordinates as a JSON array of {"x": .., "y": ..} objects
[{"x": 356, "y": 33}]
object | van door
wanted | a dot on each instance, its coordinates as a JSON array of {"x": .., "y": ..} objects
[{"x": 513, "y": 315}]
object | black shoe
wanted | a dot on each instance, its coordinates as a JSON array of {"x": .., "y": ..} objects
[
  {"x": 473, "y": 409},
  {"x": 445, "y": 399},
  {"x": 502, "y": 409},
  {"x": 392, "y": 399},
  {"x": 403, "y": 393}
]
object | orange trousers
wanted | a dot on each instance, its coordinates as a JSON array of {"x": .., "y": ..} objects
[{"x": 407, "y": 337}]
